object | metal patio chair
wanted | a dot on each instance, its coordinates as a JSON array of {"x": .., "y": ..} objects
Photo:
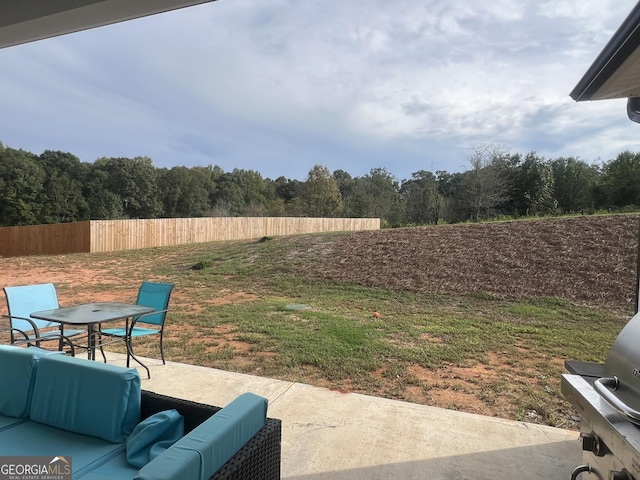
[
  {"x": 150, "y": 294},
  {"x": 26, "y": 299}
]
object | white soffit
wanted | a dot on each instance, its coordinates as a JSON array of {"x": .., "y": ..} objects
[
  {"x": 615, "y": 73},
  {"x": 624, "y": 82}
]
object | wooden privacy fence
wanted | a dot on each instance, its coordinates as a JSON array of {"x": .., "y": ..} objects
[{"x": 110, "y": 235}]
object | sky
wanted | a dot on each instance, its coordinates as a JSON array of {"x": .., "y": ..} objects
[{"x": 278, "y": 86}]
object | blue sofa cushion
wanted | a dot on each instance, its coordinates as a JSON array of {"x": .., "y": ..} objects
[
  {"x": 8, "y": 422},
  {"x": 173, "y": 465},
  {"x": 16, "y": 379},
  {"x": 86, "y": 397},
  {"x": 113, "y": 469},
  {"x": 86, "y": 453},
  {"x": 153, "y": 436},
  {"x": 205, "y": 449}
]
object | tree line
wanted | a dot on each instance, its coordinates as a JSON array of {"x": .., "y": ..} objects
[{"x": 56, "y": 187}]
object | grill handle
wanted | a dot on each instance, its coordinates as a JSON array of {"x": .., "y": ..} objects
[{"x": 604, "y": 387}]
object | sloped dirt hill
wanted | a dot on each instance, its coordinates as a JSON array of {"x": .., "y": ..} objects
[{"x": 583, "y": 259}]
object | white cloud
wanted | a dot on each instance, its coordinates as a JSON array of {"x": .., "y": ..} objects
[{"x": 244, "y": 80}]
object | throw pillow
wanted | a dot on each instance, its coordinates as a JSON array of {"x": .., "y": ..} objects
[{"x": 153, "y": 436}]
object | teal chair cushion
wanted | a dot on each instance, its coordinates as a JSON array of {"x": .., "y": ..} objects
[
  {"x": 17, "y": 371},
  {"x": 205, "y": 449},
  {"x": 136, "y": 332},
  {"x": 87, "y": 397},
  {"x": 23, "y": 300},
  {"x": 150, "y": 294},
  {"x": 154, "y": 295},
  {"x": 26, "y": 299}
]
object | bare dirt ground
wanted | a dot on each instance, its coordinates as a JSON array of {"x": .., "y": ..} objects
[{"x": 587, "y": 260}]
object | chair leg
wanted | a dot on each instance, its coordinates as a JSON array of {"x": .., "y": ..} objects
[
  {"x": 72, "y": 348},
  {"x": 130, "y": 354},
  {"x": 104, "y": 358},
  {"x": 162, "y": 349}
]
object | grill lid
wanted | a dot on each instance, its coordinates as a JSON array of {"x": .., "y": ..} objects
[{"x": 620, "y": 383}]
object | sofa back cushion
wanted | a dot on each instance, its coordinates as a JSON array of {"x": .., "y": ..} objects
[
  {"x": 17, "y": 371},
  {"x": 87, "y": 397},
  {"x": 204, "y": 450}
]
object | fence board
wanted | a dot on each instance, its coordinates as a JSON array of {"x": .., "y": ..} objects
[
  {"x": 45, "y": 239},
  {"x": 110, "y": 235}
]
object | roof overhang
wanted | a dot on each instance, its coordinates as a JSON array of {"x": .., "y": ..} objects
[
  {"x": 615, "y": 73},
  {"x": 24, "y": 21}
]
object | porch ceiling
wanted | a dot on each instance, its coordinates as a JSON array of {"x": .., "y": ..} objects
[{"x": 24, "y": 21}]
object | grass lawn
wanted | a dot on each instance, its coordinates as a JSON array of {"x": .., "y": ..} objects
[{"x": 237, "y": 306}]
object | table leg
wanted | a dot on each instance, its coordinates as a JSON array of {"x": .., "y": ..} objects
[
  {"x": 127, "y": 339},
  {"x": 91, "y": 342},
  {"x": 61, "y": 340}
]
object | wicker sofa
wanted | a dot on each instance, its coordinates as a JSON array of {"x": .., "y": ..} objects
[
  {"x": 96, "y": 416},
  {"x": 259, "y": 458}
]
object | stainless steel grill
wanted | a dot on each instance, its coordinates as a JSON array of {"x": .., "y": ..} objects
[{"x": 607, "y": 398}]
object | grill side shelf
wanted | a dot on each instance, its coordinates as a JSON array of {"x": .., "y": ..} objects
[
  {"x": 621, "y": 437},
  {"x": 590, "y": 371}
]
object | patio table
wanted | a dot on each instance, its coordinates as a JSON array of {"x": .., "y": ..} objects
[{"x": 92, "y": 314}]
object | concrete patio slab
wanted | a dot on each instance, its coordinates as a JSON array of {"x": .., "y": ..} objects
[{"x": 333, "y": 435}]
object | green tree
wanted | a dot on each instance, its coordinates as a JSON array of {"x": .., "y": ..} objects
[
  {"x": 320, "y": 194},
  {"x": 534, "y": 187},
  {"x": 288, "y": 189},
  {"x": 621, "y": 180},
  {"x": 210, "y": 176},
  {"x": 21, "y": 185},
  {"x": 353, "y": 193},
  {"x": 348, "y": 191},
  {"x": 184, "y": 192},
  {"x": 486, "y": 184},
  {"x": 135, "y": 181},
  {"x": 256, "y": 191},
  {"x": 241, "y": 192},
  {"x": 287, "y": 197},
  {"x": 103, "y": 203},
  {"x": 574, "y": 182},
  {"x": 62, "y": 196},
  {"x": 380, "y": 197},
  {"x": 424, "y": 202},
  {"x": 454, "y": 204}
]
